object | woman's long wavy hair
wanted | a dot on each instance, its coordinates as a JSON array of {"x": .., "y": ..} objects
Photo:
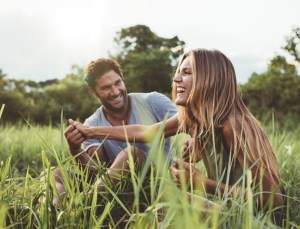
[{"x": 215, "y": 102}]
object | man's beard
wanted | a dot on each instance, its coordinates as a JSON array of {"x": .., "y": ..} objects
[{"x": 114, "y": 109}]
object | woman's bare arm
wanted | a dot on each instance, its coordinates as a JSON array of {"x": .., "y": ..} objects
[
  {"x": 269, "y": 185},
  {"x": 132, "y": 133}
]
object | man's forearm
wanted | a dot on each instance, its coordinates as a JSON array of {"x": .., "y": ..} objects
[{"x": 132, "y": 133}]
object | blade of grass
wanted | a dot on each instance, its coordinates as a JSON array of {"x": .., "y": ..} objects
[{"x": 1, "y": 110}]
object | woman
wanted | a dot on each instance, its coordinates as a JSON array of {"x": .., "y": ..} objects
[{"x": 225, "y": 134}]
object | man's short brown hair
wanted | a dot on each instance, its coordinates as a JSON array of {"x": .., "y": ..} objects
[{"x": 98, "y": 68}]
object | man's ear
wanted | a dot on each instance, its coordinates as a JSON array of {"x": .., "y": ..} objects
[{"x": 92, "y": 91}]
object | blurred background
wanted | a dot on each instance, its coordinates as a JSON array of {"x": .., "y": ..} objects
[{"x": 44, "y": 46}]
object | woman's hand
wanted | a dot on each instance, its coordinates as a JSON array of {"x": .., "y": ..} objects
[
  {"x": 189, "y": 173},
  {"x": 188, "y": 152}
]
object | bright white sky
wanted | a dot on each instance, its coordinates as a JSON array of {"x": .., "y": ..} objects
[{"x": 41, "y": 40}]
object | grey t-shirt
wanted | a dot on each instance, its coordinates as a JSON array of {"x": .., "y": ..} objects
[{"x": 146, "y": 109}]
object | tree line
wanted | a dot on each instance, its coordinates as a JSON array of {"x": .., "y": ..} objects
[{"x": 149, "y": 62}]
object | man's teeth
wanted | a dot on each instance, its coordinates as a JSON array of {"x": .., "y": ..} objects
[{"x": 116, "y": 98}]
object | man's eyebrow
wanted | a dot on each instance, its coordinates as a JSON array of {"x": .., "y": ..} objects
[
  {"x": 109, "y": 85},
  {"x": 106, "y": 86}
]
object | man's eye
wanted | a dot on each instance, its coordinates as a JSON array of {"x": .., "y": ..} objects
[{"x": 119, "y": 82}]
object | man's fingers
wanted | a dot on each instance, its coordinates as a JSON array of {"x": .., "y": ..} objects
[
  {"x": 79, "y": 140},
  {"x": 73, "y": 123},
  {"x": 75, "y": 135},
  {"x": 76, "y": 125},
  {"x": 69, "y": 129}
]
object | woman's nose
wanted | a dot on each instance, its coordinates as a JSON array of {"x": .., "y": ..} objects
[{"x": 177, "y": 78}]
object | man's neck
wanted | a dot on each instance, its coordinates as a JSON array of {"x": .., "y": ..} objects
[{"x": 118, "y": 118}]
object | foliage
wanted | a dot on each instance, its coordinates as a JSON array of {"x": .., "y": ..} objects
[
  {"x": 148, "y": 71},
  {"x": 148, "y": 60},
  {"x": 70, "y": 95},
  {"x": 276, "y": 91},
  {"x": 42, "y": 102},
  {"x": 293, "y": 44},
  {"x": 150, "y": 203}
]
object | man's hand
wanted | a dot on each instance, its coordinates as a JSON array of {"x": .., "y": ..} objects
[
  {"x": 189, "y": 173},
  {"x": 84, "y": 130},
  {"x": 74, "y": 139}
]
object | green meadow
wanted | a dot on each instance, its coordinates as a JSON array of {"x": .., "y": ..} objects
[{"x": 149, "y": 199}]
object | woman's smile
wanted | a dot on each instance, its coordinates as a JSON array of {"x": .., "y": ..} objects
[{"x": 183, "y": 81}]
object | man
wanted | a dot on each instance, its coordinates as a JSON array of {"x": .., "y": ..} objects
[{"x": 105, "y": 81}]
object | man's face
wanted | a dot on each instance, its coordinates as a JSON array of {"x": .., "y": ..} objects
[{"x": 111, "y": 91}]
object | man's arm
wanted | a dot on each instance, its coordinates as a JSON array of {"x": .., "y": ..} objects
[{"x": 132, "y": 133}]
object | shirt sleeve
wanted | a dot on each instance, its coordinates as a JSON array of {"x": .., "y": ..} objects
[
  {"x": 87, "y": 144},
  {"x": 161, "y": 105}
]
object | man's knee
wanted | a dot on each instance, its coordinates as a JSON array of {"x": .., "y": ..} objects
[
  {"x": 136, "y": 154},
  {"x": 123, "y": 157},
  {"x": 57, "y": 175}
]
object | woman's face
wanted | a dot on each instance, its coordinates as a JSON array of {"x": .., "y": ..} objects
[{"x": 183, "y": 82}]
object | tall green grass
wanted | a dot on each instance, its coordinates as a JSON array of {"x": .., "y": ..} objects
[{"x": 147, "y": 199}]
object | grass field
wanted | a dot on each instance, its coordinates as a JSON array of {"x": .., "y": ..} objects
[{"x": 145, "y": 200}]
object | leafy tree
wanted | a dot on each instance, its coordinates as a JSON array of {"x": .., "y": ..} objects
[
  {"x": 2, "y": 80},
  {"x": 293, "y": 43},
  {"x": 275, "y": 91},
  {"x": 148, "y": 60},
  {"x": 13, "y": 95},
  {"x": 70, "y": 95},
  {"x": 44, "y": 101}
]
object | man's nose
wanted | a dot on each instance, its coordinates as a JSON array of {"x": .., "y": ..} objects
[{"x": 114, "y": 90}]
